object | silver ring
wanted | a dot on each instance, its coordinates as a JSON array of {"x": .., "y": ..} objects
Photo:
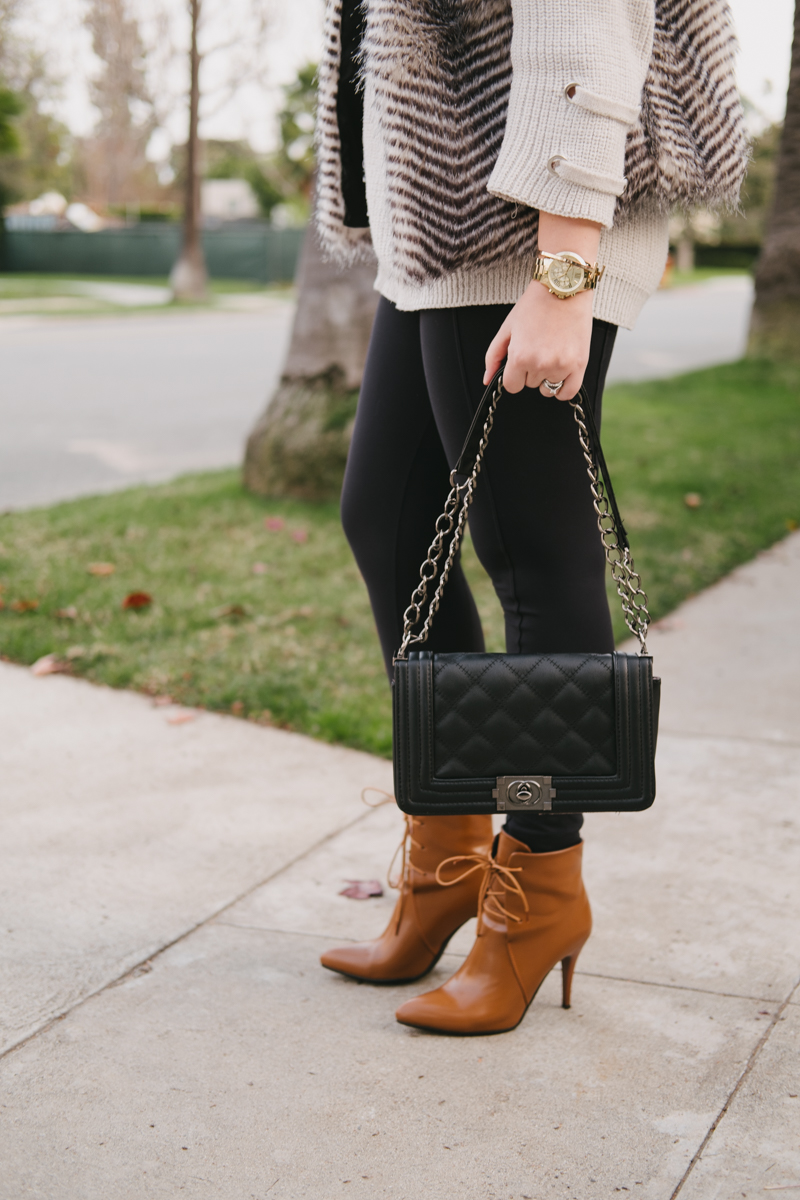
[{"x": 553, "y": 387}]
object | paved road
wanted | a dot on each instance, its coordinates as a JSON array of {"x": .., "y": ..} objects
[
  {"x": 167, "y": 888},
  {"x": 684, "y": 329},
  {"x": 89, "y": 404},
  {"x": 96, "y": 403}
]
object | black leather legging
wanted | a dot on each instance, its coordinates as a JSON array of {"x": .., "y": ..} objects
[{"x": 532, "y": 521}]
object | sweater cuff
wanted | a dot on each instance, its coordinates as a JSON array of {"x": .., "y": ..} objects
[{"x": 576, "y": 172}]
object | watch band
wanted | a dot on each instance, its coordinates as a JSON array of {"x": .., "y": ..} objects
[{"x": 592, "y": 272}]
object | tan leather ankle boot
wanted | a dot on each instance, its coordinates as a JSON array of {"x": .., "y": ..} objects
[
  {"x": 534, "y": 914},
  {"x": 427, "y": 913}
]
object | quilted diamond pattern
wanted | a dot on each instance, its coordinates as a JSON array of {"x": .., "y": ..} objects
[{"x": 498, "y": 714}]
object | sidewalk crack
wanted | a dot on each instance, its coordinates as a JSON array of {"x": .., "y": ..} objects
[
  {"x": 144, "y": 962},
  {"x": 751, "y": 1062}
]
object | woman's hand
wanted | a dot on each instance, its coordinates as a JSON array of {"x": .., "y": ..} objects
[{"x": 544, "y": 337}]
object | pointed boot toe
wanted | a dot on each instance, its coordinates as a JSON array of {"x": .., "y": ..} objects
[
  {"x": 355, "y": 960},
  {"x": 433, "y": 1010},
  {"x": 428, "y": 911}
]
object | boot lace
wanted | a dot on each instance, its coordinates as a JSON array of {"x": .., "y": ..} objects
[
  {"x": 402, "y": 880},
  {"x": 497, "y": 885}
]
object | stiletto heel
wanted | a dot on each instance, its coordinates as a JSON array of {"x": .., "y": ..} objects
[{"x": 567, "y": 971}]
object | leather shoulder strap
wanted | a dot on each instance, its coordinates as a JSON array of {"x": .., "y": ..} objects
[{"x": 469, "y": 450}]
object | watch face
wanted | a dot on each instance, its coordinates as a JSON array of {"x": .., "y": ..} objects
[{"x": 565, "y": 277}]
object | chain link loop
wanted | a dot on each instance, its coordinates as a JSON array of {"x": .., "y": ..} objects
[
  {"x": 454, "y": 519},
  {"x": 619, "y": 558}
]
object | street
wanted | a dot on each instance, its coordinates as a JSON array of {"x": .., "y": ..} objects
[{"x": 90, "y": 404}]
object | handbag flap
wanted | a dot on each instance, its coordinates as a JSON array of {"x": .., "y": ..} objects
[{"x": 497, "y": 714}]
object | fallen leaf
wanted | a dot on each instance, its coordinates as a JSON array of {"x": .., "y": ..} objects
[
  {"x": 181, "y": 718},
  {"x": 101, "y": 568},
  {"x": 137, "y": 600},
  {"x": 67, "y": 614},
  {"x": 50, "y": 664},
  {"x": 274, "y": 523},
  {"x": 361, "y": 889},
  {"x": 791, "y": 524},
  {"x": 230, "y": 610},
  {"x": 299, "y": 535},
  {"x": 692, "y": 500},
  {"x": 24, "y": 605},
  {"x": 237, "y": 708},
  {"x": 259, "y": 568}
]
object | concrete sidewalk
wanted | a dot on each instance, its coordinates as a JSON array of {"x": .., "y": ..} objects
[{"x": 166, "y": 890}]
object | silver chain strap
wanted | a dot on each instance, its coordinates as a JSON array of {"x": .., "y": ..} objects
[
  {"x": 454, "y": 519},
  {"x": 619, "y": 559}
]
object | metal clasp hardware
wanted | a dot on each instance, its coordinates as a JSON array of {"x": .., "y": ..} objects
[{"x": 526, "y": 793}]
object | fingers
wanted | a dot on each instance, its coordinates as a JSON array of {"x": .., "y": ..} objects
[
  {"x": 497, "y": 351},
  {"x": 570, "y": 388},
  {"x": 515, "y": 376}
]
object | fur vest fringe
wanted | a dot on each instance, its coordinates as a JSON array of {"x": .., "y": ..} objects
[{"x": 443, "y": 124}]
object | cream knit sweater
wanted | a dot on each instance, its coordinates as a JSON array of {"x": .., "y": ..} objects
[
  {"x": 480, "y": 113},
  {"x": 604, "y": 45}
]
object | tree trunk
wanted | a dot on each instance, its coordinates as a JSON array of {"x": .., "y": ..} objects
[
  {"x": 299, "y": 445},
  {"x": 189, "y": 277},
  {"x": 775, "y": 323},
  {"x": 684, "y": 259}
]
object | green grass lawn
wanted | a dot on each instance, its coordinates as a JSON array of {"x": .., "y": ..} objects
[
  {"x": 678, "y": 278},
  {"x": 30, "y": 292},
  {"x": 274, "y": 624},
  {"x": 31, "y": 283}
]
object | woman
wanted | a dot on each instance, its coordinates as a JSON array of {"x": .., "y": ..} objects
[{"x": 494, "y": 135}]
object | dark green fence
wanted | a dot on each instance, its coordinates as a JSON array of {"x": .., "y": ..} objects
[{"x": 259, "y": 253}]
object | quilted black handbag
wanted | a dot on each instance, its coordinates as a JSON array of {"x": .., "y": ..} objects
[{"x": 477, "y": 733}]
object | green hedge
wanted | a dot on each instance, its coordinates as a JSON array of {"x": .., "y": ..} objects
[{"x": 257, "y": 252}]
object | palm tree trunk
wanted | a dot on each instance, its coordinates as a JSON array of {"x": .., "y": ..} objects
[
  {"x": 775, "y": 322},
  {"x": 189, "y": 278},
  {"x": 299, "y": 445}
]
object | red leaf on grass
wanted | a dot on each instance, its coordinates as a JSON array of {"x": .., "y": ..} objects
[
  {"x": 259, "y": 568},
  {"x": 137, "y": 600},
  {"x": 361, "y": 889},
  {"x": 230, "y": 610},
  {"x": 181, "y": 718},
  {"x": 273, "y": 523},
  {"x": 101, "y": 568},
  {"x": 692, "y": 500},
  {"x": 299, "y": 535},
  {"x": 24, "y": 605},
  {"x": 67, "y": 614},
  {"x": 50, "y": 664}
]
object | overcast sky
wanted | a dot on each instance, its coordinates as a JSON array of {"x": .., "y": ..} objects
[{"x": 764, "y": 28}]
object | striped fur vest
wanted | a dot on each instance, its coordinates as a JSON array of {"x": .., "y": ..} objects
[{"x": 443, "y": 124}]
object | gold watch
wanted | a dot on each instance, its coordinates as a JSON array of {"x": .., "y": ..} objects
[{"x": 565, "y": 274}]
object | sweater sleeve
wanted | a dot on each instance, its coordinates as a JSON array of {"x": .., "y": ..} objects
[{"x": 578, "y": 69}]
